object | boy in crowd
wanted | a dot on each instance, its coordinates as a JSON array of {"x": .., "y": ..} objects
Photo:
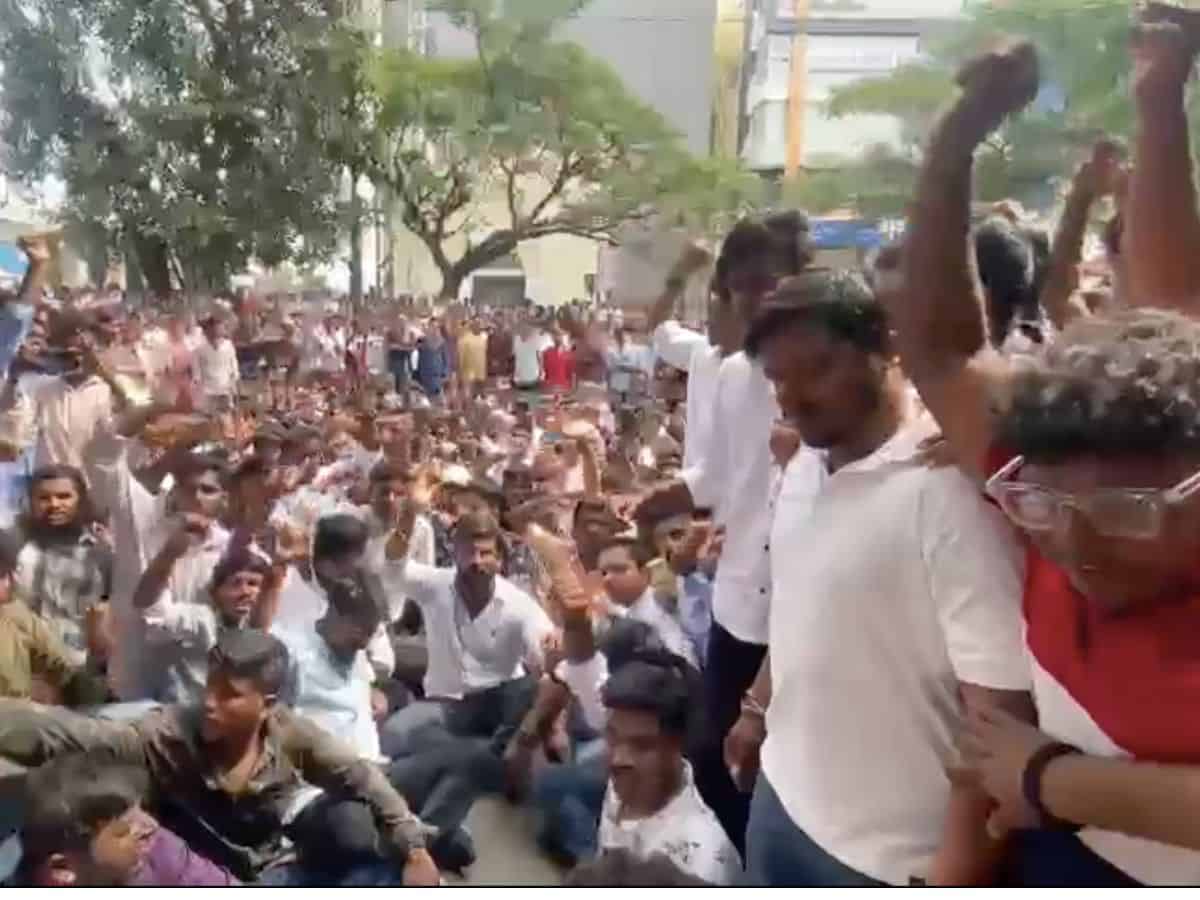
[
  {"x": 652, "y": 805},
  {"x": 237, "y": 772},
  {"x": 85, "y": 827}
]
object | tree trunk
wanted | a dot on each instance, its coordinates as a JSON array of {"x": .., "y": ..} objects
[
  {"x": 356, "y": 244},
  {"x": 154, "y": 261},
  {"x": 452, "y": 280}
]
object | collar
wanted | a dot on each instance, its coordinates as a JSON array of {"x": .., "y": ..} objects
[{"x": 675, "y": 807}]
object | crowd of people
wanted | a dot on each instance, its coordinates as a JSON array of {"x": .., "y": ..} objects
[{"x": 876, "y": 577}]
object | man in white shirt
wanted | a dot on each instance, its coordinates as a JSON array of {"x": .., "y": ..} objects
[
  {"x": 734, "y": 480},
  {"x": 216, "y": 364},
  {"x": 142, "y": 522},
  {"x": 652, "y": 806},
  {"x": 528, "y": 346},
  {"x": 896, "y": 611},
  {"x": 65, "y": 411},
  {"x": 485, "y": 639}
]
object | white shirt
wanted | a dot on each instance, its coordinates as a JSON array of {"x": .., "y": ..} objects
[
  {"x": 217, "y": 368},
  {"x": 466, "y": 655},
  {"x": 141, "y": 524},
  {"x": 898, "y": 582},
  {"x": 527, "y": 357},
  {"x": 302, "y": 603},
  {"x": 691, "y": 351},
  {"x": 651, "y": 610},
  {"x": 334, "y": 693},
  {"x": 63, "y": 417},
  {"x": 734, "y": 478},
  {"x": 685, "y": 831}
]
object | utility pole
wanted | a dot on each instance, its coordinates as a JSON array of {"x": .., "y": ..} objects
[{"x": 797, "y": 91}]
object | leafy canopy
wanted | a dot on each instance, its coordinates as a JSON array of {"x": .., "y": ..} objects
[{"x": 536, "y": 127}]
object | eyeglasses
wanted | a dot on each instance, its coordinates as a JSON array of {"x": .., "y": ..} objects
[{"x": 1125, "y": 513}]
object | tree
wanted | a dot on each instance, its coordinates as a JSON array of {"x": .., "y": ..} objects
[
  {"x": 536, "y": 127},
  {"x": 190, "y": 133},
  {"x": 1083, "y": 46}
]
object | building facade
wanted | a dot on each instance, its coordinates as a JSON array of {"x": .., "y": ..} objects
[
  {"x": 798, "y": 51},
  {"x": 664, "y": 52}
]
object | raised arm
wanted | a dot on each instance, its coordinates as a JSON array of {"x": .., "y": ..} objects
[
  {"x": 693, "y": 259},
  {"x": 1095, "y": 179},
  {"x": 937, "y": 307},
  {"x": 1162, "y": 235}
]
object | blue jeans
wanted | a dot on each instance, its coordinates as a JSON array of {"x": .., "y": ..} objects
[
  {"x": 778, "y": 854},
  {"x": 570, "y": 798}
]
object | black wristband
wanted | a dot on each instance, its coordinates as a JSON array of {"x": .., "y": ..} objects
[{"x": 1031, "y": 783}]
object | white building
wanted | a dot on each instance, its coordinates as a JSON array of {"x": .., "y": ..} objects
[{"x": 800, "y": 50}]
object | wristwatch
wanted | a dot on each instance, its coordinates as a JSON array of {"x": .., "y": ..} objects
[{"x": 1031, "y": 783}]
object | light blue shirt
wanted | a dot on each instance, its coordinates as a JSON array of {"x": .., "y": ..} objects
[{"x": 332, "y": 692}]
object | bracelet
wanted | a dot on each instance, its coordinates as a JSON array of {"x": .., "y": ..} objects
[{"x": 1031, "y": 783}]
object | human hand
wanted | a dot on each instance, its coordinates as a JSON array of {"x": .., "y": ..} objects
[
  {"x": 694, "y": 258},
  {"x": 189, "y": 531},
  {"x": 995, "y": 748},
  {"x": 743, "y": 745},
  {"x": 1102, "y": 174},
  {"x": 36, "y": 247},
  {"x": 420, "y": 870},
  {"x": 380, "y": 707},
  {"x": 997, "y": 84}
]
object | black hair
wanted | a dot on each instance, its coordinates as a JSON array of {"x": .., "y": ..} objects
[
  {"x": 623, "y": 868},
  {"x": 486, "y": 489},
  {"x": 199, "y": 463},
  {"x": 253, "y": 654},
  {"x": 791, "y": 242},
  {"x": 477, "y": 526},
  {"x": 1007, "y": 261},
  {"x": 238, "y": 558},
  {"x": 339, "y": 535},
  {"x": 358, "y": 598},
  {"x": 625, "y": 639},
  {"x": 252, "y": 466},
  {"x": 638, "y": 551},
  {"x": 748, "y": 240},
  {"x": 659, "y": 683},
  {"x": 1112, "y": 385},
  {"x": 384, "y": 471},
  {"x": 838, "y": 301},
  {"x": 71, "y": 798}
]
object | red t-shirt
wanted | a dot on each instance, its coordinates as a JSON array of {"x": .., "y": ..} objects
[
  {"x": 1131, "y": 680},
  {"x": 559, "y": 366}
]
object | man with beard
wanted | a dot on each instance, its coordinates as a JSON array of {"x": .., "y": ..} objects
[
  {"x": 898, "y": 594},
  {"x": 485, "y": 639},
  {"x": 62, "y": 572}
]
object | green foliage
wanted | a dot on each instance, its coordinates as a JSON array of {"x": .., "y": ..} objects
[
  {"x": 1083, "y": 45},
  {"x": 198, "y": 133},
  {"x": 537, "y": 128}
]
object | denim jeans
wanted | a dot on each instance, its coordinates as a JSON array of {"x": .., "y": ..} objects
[
  {"x": 778, "y": 854},
  {"x": 569, "y": 798},
  {"x": 493, "y": 713}
]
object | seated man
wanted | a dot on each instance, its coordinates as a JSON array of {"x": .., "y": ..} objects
[
  {"x": 485, "y": 637},
  {"x": 34, "y": 661},
  {"x": 237, "y": 772},
  {"x": 652, "y": 805},
  {"x": 85, "y": 827},
  {"x": 330, "y": 682},
  {"x": 243, "y": 594}
]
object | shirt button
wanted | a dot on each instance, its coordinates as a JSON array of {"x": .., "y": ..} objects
[{"x": 762, "y": 590}]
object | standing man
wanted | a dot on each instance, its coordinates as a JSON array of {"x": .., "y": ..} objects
[
  {"x": 734, "y": 479},
  {"x": 217, "y": 366}
]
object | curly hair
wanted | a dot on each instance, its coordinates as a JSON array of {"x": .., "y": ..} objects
[{"x": 1115, "y": 385}]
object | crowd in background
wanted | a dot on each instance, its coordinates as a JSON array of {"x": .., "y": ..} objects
[{"x": 881, "y": 577}]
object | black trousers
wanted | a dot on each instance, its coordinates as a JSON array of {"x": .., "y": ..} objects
[{"x": 730, "y": 670}]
